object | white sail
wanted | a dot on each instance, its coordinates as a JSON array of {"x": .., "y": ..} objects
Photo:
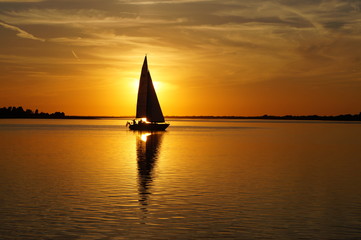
[{"x": 147, "y": 103}]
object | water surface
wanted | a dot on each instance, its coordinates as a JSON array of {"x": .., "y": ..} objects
[{"x": 94, "y": 179}]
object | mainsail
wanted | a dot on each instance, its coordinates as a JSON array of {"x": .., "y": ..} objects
[{"x": 147, "y": 104}]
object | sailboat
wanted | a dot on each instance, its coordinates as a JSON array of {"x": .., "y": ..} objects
[{"x": 149, "y": 116}]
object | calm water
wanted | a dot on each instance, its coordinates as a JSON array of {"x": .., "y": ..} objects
[{"x": 94, "y": 179}]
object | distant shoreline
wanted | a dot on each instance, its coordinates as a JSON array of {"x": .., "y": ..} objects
[
  {"x": 345, "y": 117},
  {"x": 20, "y": 113},
  {"x": 307, "y": 118}
]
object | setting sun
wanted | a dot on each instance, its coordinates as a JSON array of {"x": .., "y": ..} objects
[{"x": 135, "y": 85}]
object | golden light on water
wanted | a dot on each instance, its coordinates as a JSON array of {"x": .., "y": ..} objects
[{"x": 144, "y": 136}]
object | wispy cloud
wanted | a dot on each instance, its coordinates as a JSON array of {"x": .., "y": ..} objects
[
  {"x": 21, "y": 1},
  {"x": 75, "y": 55},
  {"x": 142, "y": 2},
  {"x": 105, "y": 40},
  {"x": 82, "y": 17},
  {"x": 20, "y": 32}
]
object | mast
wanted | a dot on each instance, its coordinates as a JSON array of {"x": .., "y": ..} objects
[
  {"x": 147, "y": 104},
  {"x": 142, "y": 91}
]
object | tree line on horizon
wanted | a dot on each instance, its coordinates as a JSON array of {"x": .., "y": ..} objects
[
  {"x": 342, "y": 117},
  {"x": 19, "y": 112}
]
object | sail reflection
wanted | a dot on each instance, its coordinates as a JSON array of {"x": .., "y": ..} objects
[{"x": 148, "y": 147}]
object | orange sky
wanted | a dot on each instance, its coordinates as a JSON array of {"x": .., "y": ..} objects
[{"x": 84, "y": 57}]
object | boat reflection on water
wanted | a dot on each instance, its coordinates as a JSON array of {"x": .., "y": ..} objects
[{"x": 148, "y": 148}]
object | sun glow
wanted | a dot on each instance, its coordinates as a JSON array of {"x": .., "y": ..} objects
[
  {"x": 157, "y": 85},
  {"x": 135, "y": 85}
]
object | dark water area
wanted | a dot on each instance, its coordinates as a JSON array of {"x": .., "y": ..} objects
[{"x": 212, "y": 179}]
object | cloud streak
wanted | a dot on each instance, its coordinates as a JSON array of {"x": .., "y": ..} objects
[
  {"x": 141, "y": 2},
  {"x": 20, "y": 32},
  {"x": 75, "y": 55},
  {"x": 82, "y": 17},
  {"x": 20, "y": 1}
]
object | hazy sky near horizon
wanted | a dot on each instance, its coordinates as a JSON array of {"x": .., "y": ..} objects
[{"x": 220, "y": 57}]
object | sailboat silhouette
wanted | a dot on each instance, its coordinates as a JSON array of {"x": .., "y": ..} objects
[{"x": 149, "y": 115}]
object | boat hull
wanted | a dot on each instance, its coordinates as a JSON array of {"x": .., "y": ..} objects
[{"x": 149, "y": 126}]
